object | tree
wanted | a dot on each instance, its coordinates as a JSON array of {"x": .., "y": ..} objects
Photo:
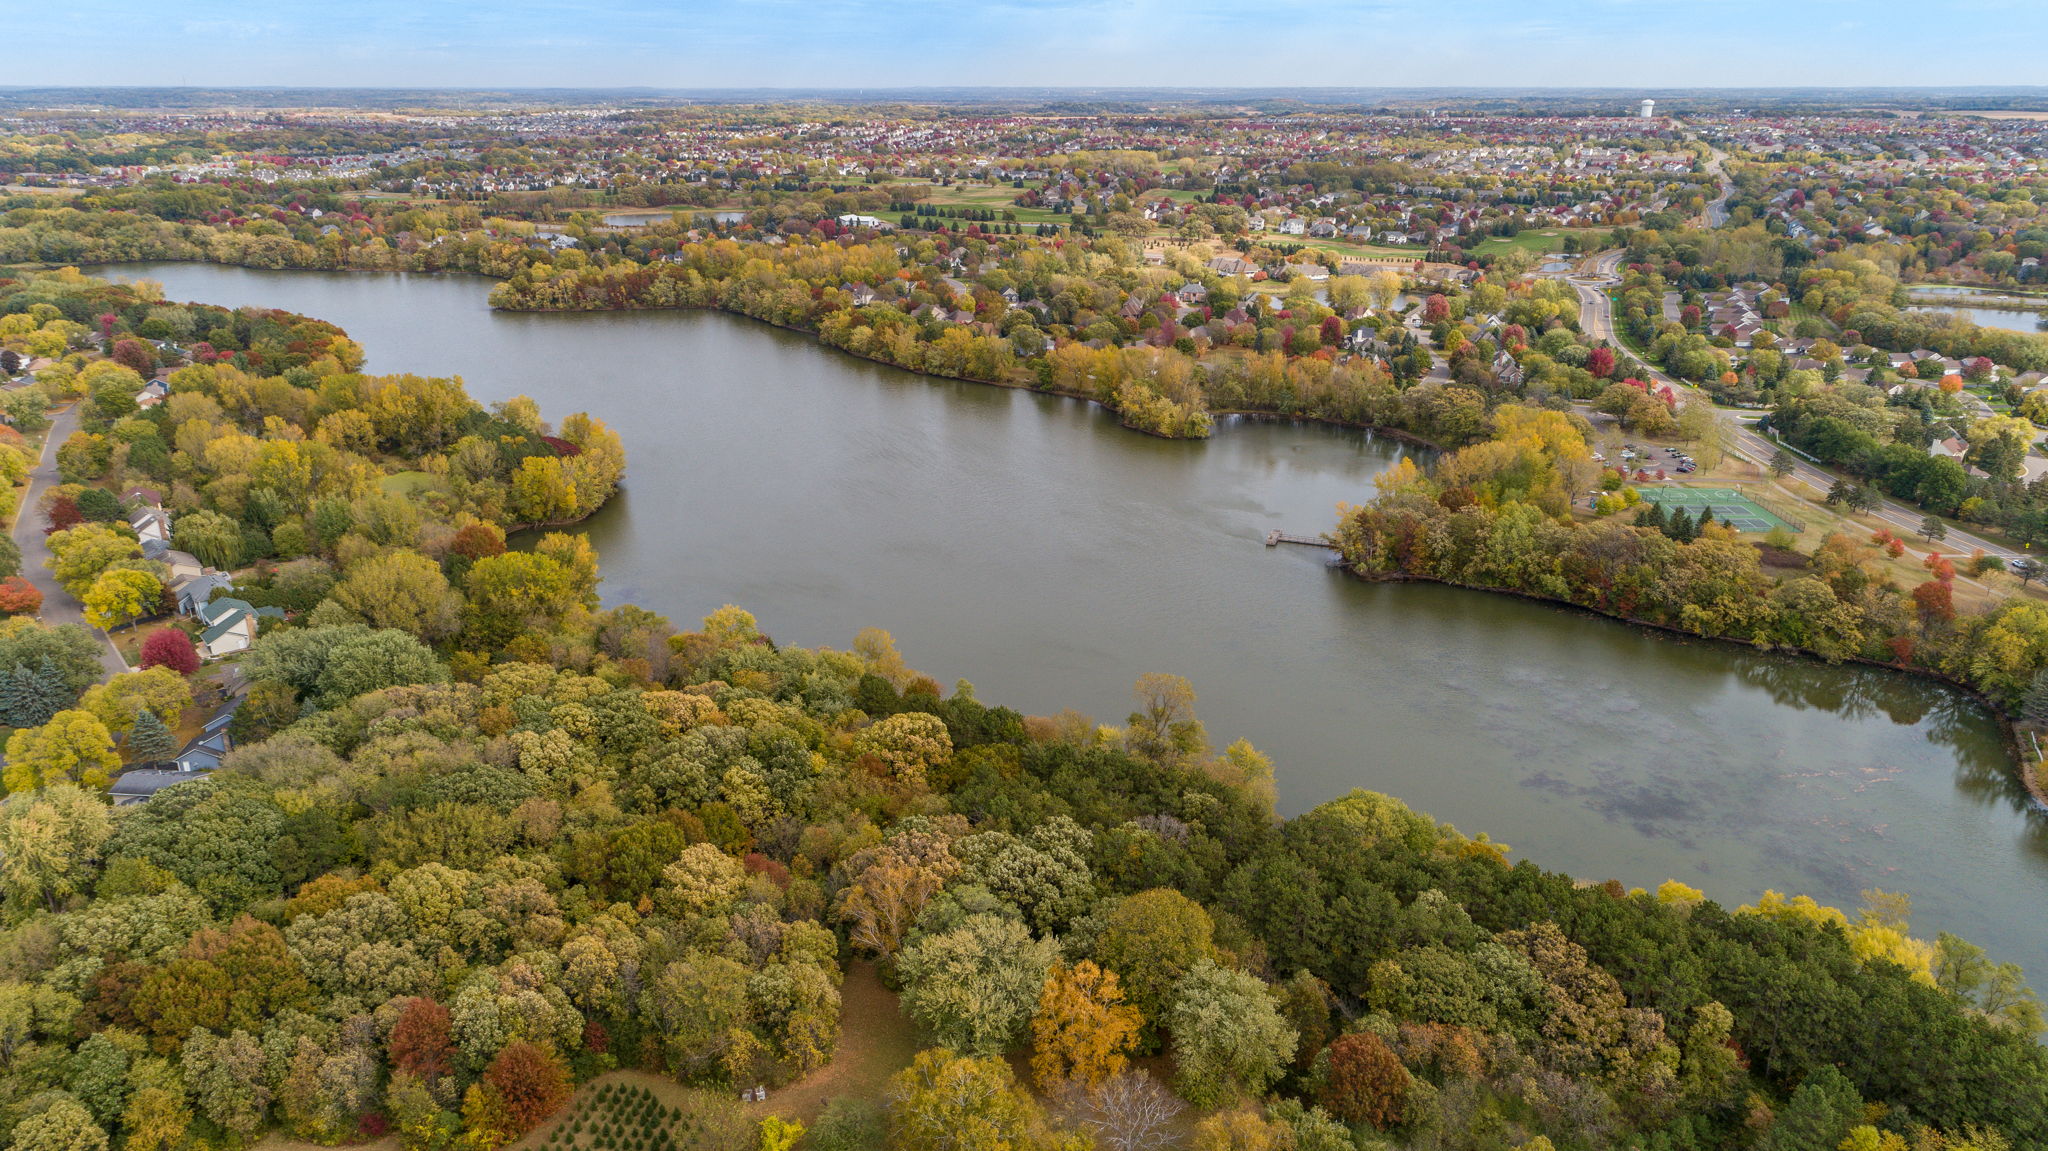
[
  {"x": 403, "y": 590},
  {"x": 531, "y": 1082},
  {"x": 69, "y": 654},
  {"x": 1933, "y": 530},
  {"x": 30, "y": 695},
  {"x": 78, "y": 555},
  {"x": 63, "y": 1125},
  {"x": 160, "y": 691},
  {"x": 1151, "y": 940},
  {"x": 421, "y": 1042},
  {"x": 1164, "y": 728},
  {"x": 170, "y": 647},
  {"x": 949, "y": 1102},
  {"x": 1364, "y": 1081},
  {"x": 1783, "y": 463},
  {"x": 1228, "y": 1037},
  {"x": 213, "y": 537},
  {"x": 1130, "y": 1111},
  {"x": 50, "y": 842},
  {"x": 19, "y": 597},
  {"x": 227, "y": 1078},
  {"x": 150, "y": 741},
  {"x": 975, "y": 986},
  {"x": 120, "y": 596},
  {"x": 1818, "y": 1116},
  {"x": 74, "y": 747},
  {"x": 374, "y": 660},
  {"x": 1083, "y": 1027}
]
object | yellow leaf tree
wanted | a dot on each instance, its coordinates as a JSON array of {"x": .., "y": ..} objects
[
  {"x": 74, "y": 747},
  {"x": 1083, "y": 1029},
  {"x": 120, "y": 596}
]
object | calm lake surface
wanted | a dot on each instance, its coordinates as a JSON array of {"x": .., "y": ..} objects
[
  {"x": 1031, "y": 544},
  {"x": 2011, "y": 319}
]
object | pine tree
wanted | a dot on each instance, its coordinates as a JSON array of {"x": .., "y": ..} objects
[
  {"x": 1653, "y": 517},
  {"x": 151, "y": 741}
]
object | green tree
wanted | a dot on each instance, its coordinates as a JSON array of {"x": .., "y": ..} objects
[
  {"x": 1151, "y": 940},
  {"x": 78, "y": 555},
  {"x": 976, "y": 986},
  {"x": 1228, "y": 1037},
  {"x": 211, "y": 536},
  {"x": 63, "y": 1125},
  {"x": 1782, "y": 463},
  {"x": 160, "y": 691},
  {"x": 1933, "y": 529},
  {"x": 1818, "y": 1116},
  {"x": 30, "y": 695},
  {"x": 227, "y": 1078},
  {"x": 375, "y": 660},
  {"x": 150, "y": 742}
]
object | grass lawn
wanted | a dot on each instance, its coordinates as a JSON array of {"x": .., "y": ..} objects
[
  {"x": 129, "y": 640},
  {"x": 1535, "y": 241},
  {"x": 413, "y": 483}
]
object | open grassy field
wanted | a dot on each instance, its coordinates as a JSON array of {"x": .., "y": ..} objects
[{"x": 1535, "y": 241}]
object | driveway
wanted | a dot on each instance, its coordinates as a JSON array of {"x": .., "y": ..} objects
[{"x": 58, "y": 605}]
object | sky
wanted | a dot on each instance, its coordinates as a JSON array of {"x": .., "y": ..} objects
[{"x": 1097, "y": 43}]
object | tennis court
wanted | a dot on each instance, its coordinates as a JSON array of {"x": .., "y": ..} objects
[{"x": 1729, "y": 504}]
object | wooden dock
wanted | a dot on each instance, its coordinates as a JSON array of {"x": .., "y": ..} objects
[{"x": 1276, "y": 537}]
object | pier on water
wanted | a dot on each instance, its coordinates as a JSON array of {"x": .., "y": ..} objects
[{"x": 1277, "y": 537}]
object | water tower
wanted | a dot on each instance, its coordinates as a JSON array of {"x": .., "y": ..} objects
[{"x": 1649, "y": 109}]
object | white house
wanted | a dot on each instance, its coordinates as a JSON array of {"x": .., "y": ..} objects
[
  {"x": 151, "y": 524},
  {"x": 230, "y": 627}
]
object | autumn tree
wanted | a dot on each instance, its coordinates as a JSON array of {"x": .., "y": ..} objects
[
  {"x": 1083, "y": 1028},
  {"x": 421, "y": 1043},
  {"x": 532, "y": 1083},
  {"x": 50, "y": 843},
  {"x": 1151, "y": 940},
  {"x": 120, "y": 596},
  {"x": 74, "y": 747},
  {"x": 19, "y": 597},
  {"x": 403, "y": 590},
  {"x": 949, "y": 1102},
  {"x": 1164, "y": 728},
  {"x": 1363, "y": 1081},
  {"x": 170, "y": 647}
]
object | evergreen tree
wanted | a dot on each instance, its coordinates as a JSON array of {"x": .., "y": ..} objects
[
  {"x": 151, "y": 741},
  {"x": 1818, "y": 1116},
  {"x": 31, "y": 696},
  {"x": 1681, "y": 527},
  {"x": 2034, "y": 708},
  {"x": 1653, "y": 517}
]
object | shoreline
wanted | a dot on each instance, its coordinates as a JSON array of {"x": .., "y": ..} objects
[{"x": 2024, "y": 770}]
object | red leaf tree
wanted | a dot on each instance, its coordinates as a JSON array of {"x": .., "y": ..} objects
[
  {"x": 420, "y": 1040},
  {"x": 19, "y": 597},
  {"x": 1366, "y": 1082},
  {"x": 532, "y": 1083},
  {"x": 169, "y": 648}
]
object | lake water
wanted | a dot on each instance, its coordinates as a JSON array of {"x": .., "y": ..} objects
[
  {"x": 2011, "y": 319},
  {"x": 1032, "y": 544}
]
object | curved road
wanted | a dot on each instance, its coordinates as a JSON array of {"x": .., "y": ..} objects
[
  {"x": 1596, "y": 318},
  {"x": 58, "y": 605}
]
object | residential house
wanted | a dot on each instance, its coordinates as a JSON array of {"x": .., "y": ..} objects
[
  {"x": 231, "y": 626},
  {"x": 151, "y": 524}
]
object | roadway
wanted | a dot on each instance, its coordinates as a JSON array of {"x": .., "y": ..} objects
[
  {"x": 1596, "y": 319},
  {"x": 59, "y": 607}
]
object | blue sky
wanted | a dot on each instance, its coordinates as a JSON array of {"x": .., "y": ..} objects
[{"x": 850, "y": 43}]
